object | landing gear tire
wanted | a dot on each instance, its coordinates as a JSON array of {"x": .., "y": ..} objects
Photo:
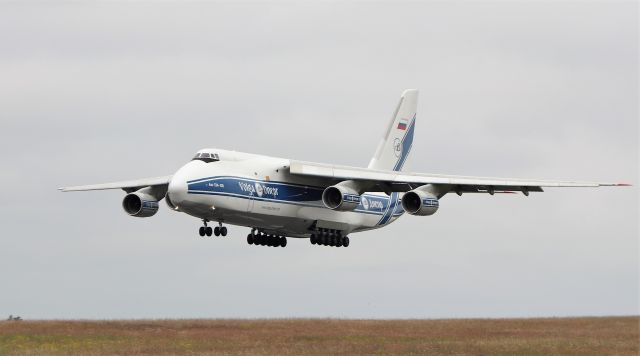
[
  {"x": 208, "y": 230},
  {"x": 223, "y": 231},
  {"x": 262, "y": 239},
  {"x": 326, "y": 237},
  {"x": 201, "y": 231},
  {"x": 216, "y": 231}
]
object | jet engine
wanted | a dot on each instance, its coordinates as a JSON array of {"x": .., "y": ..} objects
[
  {"x": 419, "y": 202},
  {"x": 140, "y": 204},
  {"x": 340, "y": 197}
]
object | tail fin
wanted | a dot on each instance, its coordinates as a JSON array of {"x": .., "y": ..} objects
[{"x": 393, "y": 150}]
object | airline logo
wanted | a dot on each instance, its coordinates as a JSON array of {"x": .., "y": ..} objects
[
  {"x": 351, "y": 198},
  {"x": 365, "y": 203},
  {"x": 430, "y": 203},
  {"x": 258, "y": 189},
  {"x": 373, "y": 204},
  {"x": 402, "y": 125},
  {"x": 397, "y": 147},
  {"x": 147, "y": 204}
]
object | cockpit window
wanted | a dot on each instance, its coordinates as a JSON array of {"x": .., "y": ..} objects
[{"x": 206, "y": 157}]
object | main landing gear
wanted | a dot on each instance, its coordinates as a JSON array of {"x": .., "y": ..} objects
[
  {"x": 326, "y": 237},
  {"x": 261, "y": 239},
  {"x": 207, "y": 230}
]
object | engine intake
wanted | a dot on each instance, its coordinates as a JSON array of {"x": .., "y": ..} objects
[
  {"x": 140, "y": 204},
  {"x": 337, "y": 197},
  {"x": 417, "y": 202}
]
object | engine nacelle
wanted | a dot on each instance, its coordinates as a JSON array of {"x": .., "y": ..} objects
[
  {"x": 339, "y": 197},
  {"x": 140, "y": 204},
  {"x": 418, "y": 202}
]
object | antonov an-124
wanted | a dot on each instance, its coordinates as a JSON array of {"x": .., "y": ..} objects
[{"x": 279, "y": 198}]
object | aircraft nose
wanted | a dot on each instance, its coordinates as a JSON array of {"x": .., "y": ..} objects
[{"x": 177, "y": 190}]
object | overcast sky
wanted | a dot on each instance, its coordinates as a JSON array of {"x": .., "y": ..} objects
[{"x": 97, "y": 92}]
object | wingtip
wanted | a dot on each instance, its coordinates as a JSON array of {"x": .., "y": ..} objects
[{"x": 613, "y": 184}]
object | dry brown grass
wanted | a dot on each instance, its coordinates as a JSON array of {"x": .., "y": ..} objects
[{"x": 560, "y": 336}]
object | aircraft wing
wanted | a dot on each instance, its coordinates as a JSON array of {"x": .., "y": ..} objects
[
  {"x": 127, "y": 186},
  {"x": 393, "y": 181}
]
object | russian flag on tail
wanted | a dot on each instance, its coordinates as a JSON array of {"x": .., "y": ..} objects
[{"x": 402, "y": 125}]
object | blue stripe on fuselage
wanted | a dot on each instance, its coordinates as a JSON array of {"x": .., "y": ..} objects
[
  {"x": 286, "y": 193},
  {"x": 391, "y": 209}
]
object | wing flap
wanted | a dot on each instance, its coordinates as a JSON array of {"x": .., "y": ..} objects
[
  {"x": 400, "y": 181},
  {"x": 129, "y": 185}
]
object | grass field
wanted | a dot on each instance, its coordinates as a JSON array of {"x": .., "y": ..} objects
[{"x": 560, "y": 336}]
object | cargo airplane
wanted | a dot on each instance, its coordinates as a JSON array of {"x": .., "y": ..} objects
[{"x": 278, "y": 198}]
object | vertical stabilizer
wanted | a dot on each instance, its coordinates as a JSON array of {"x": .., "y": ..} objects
[{"x": 394, "y": 147}]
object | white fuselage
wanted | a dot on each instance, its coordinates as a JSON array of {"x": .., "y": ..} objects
[{"x": 259, "y": 192}]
